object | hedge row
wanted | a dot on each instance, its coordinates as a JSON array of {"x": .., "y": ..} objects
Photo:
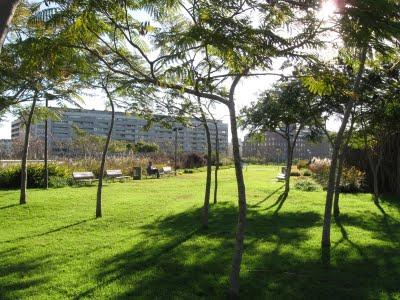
[{"x": 10, "y": 177}]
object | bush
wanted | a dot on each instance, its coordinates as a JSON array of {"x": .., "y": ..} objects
[
  {"x": 143, "y": 147},
  {"x": 320, "y": 169},
  {"x": 188, "y": 171},
  {"x": 352, "y": 180},
  {"x": 307, "y": 173},
  {"x": 295, "y": 173},
  {"x": 193, "y": 160},
  {"x": 306, "y": 185},
  {"x": 59, "y": 182},
  {"x": 302, "y": 164},
  {"x": 10, "y": 177}
]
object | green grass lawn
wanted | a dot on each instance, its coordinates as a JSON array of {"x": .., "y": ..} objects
[{"x": 148, "y": 245}]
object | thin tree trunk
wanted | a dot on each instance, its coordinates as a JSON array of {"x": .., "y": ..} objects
[
  {"x": 289, "y": 156},
  {"x": 398, "y": 171},
  {"x": 24, "y": 167},
  {"x": 237, "y": 256},
  {"x": 375, "y": 172},
  {"x": 216, "y": 162},
  {"x": 336, "y": 208},
  {"x": 376, "y": 186},
  {"x": 7, "y": 10},
  {"x": 209, "y": 171},
  {"x": 103, "y": 159},
  {"x": 326, "y": 230},
  {"x": 46, "y": 152}
]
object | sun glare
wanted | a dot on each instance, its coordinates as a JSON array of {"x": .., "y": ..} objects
[{"x": 327, "y": 10}]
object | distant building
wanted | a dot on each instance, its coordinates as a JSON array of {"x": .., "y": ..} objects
[
  {"x": 274, "y": 148},
  {"x": 5, "y": 148},
  {"x": 127, "y": 127}
]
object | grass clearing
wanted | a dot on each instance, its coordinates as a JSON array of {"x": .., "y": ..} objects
[{"x": 148, "y": 245}]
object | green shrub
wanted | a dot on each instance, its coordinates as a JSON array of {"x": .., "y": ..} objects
[
  {"x": 59, "y": 182},
  {"x": 302, "y": 164},
  {"x": 188, "y": 171},
  {"x": 306, "y": 185},
  {"x": 10, "y": 177},
  {"x": 193, "y": 160},
  {"x": 295, "y": 173},
  {"x": 307, "y": 173},
  {"x": 320, "y": 170},
  {"x": 352, "y": 180}
]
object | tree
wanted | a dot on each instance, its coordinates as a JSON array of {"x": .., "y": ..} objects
[
  {"x": 363, "y": 26},
  {"x": 7, "y": 10},
  {"x": 26, "y": 77},
  {"x": 207, "y": 193},
  {"x": 145, "y": 148},
  {"x": 104, "y": 84},
  {"x": 223, "y": 38},
  {"x": 378, "y": 113},
  {"x": 217, "y": 157},
  {"x": 286, "y": 109}
]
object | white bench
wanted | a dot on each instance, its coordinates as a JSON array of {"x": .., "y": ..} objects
[
  {"x": 86, "y": 177},
  {"x": 115, "y": 174},
  {"x": 282, "y": 175},
  {"x": 166, "y": 170}
]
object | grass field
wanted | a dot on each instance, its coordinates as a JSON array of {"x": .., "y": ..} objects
[{"x": 148, "y": 245}]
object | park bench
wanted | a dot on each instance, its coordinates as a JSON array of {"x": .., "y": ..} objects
[
  {"x": 166, "y": 170},
  {"x": 163, "y": 171},
  {"x": 282, "y": 175},
  {"x": 116, "y": 174},
  {"x": 84, "y": 177}
]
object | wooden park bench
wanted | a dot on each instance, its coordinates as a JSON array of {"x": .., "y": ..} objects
[
  {"x": 163, "y": 171},
  {"x": 84, "y": 177},
  {"x": 116, "y": 174}
]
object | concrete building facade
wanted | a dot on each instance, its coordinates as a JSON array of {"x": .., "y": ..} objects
[
  {"x": 274, "y": 148},
  {"x": 128, "y": 128},
  {"x": 5, "y": 148}
]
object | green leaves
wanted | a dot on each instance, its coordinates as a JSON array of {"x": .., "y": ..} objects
[{"x": 320, "y": 86}]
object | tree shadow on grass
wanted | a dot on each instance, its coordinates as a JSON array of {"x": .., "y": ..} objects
[
  {"x": 267, "y": 197},
  {"x": 384, "y": 228},
  {"x": 278, "y": 203},
  {"x": 17, "y": 277},
  {"x": 9, "y": 206},
  {"x": 47, "y": 232},
  {"x": 345, "y": 238},
  {"x": 179, "y": 261}
]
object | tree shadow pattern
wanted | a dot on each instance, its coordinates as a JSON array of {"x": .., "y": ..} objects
[
  {"x": 15, "y": 279},
  {"x": 180, "y": 261}
]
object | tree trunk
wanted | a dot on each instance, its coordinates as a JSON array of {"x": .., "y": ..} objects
[
  {"x": 24, "y": 167},
  {"x": 209, "y": 171},
  {"x": 398, "y": 171},
  {"x": 336, "y": 208},
  {"x": 216, "y": 162},
  {"x": 375, "y": 172},
  {"x": 376, "y": 186},
  {"x": 46, "y": 152},
  {"x": 103, "y": 159},
  {"x": 237, "y": 256},
  {"x": 7, "y": 10},
  {"x": 289, "y": 157},
  {"x": 326, "y": 230}
]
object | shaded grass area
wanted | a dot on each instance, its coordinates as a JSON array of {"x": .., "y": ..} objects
[{"x": 149, "y": 244}]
